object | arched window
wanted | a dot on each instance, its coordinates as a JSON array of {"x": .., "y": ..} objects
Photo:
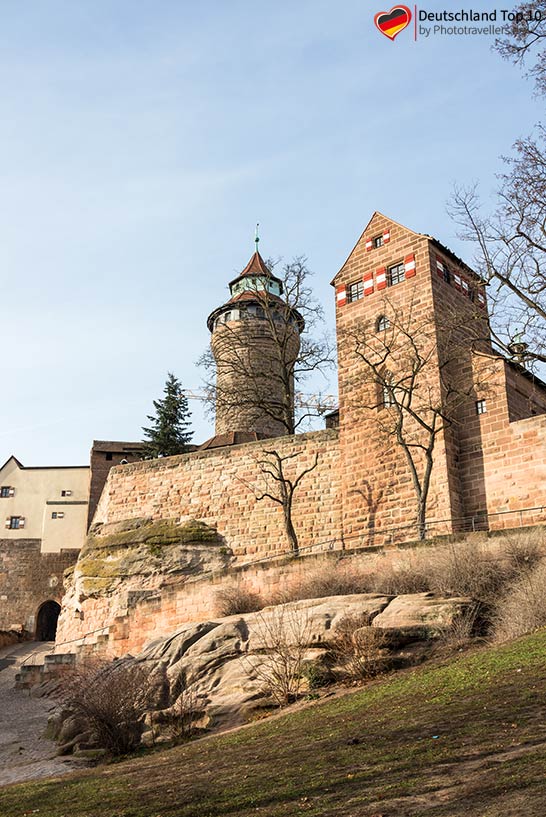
[
  {"x": 382, "y": 323},
  {"x": 386, "y": 390}
]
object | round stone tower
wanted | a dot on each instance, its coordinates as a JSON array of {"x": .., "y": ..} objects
[{"x": 255, "y": 342}]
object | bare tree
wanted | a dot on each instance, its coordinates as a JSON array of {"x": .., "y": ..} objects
[
  {"x": 414, "y": 380},
  {"x": 281, "y": 484},
  {"x": 510, "y": 248},
  {"x": 510, "y": 241},
  {"x": 526, "y": 42},
  {"x": 260, "y": 359},
  {"x": 283, "y": 635}
]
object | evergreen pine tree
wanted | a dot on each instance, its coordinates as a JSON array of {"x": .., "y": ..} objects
[{"x": 169, "y": 433}]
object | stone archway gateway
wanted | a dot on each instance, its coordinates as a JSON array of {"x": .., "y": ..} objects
[{"x": 46, "y": 621}]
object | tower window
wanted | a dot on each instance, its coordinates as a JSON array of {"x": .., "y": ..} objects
[
  {"x": 386, "y": 390},
  {"x": 382, "y": 323},
  {"x": 396, "y": 274},
  {"x": 355, "y": 291},
  {"x": 378, "y": 241},
  {"x": 481, "y": 407}
]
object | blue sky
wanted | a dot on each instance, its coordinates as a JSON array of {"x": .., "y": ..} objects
[{"x": 141, "y": 141}]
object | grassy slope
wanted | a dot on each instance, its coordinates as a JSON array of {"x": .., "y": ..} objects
[{"x": 487, "y": 709}]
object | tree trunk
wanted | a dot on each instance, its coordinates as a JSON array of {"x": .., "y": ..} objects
[{"x": 290, "y": 531}]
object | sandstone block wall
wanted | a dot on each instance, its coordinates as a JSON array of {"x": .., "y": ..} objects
[
  {"x": 27, "y": 579},
  {"x": 219, "y": 487},
  {"x": 377, "y": 487},
  {"x": 513, "y": 452}
]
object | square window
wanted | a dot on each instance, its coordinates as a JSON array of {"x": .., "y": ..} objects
[
  {"x": 4, "y": 491},
  {"x": 109, "y": 456},
  {"x": 355, "y": 291},
  {"x": 378, "y": 241},
  {"x": 481, "y": 407},
  {"x": 15, "y": 522},
  {"x": 396, "y": 274}
]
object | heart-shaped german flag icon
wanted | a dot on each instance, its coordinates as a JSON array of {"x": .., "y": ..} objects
[{"x": 391, "y": 23}]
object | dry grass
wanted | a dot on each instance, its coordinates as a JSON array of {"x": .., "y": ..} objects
[
  {"x": 112, "y": 699},
  {"x": 459, "y": 738},
  {"x": 466, "y": 568},
  {"x": 233, "y": 600},
  {"x": 522, "y": 608},
  {"x": 337, "y": 581},
  {"x": 359, "y": 650},
  {"x": 407, "y": 577}
]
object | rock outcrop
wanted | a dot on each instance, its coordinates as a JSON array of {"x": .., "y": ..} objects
[
  {"x": 122, "y": 563},
  {"x": 217, "y": 673}
]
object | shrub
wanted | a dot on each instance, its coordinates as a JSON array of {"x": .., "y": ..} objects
[
  {"x": 283, "y": 635},
  {"x": 466, "y": 569},
  {"x": 182, "y": 716},
  {"x": 358, "y": 649},
  {"x": 233, "y": 600},
  {"x": 404, "y": 578},
  {"x": 462, "y": 629},
  {"x": 522, "y": 608},
  {"x": 318, "y": 674},
  {"x": 112, "y": 698},
  {"x": 523, "y": 551},
  {"x": 326, "y": 582}
]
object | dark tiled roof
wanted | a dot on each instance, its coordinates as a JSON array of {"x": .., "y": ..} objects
[
  {"x": 259, "y": 297},
  {"x": 117, "y": 446},
  {"x": 256, "y": 266},
  {"x": 233, "y": 438}
]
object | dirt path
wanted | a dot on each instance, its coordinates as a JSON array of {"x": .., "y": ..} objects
[{"x": 25, "y": 754}]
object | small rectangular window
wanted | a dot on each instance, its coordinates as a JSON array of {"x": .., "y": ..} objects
[
  {"x": 15, "y": 522},
  {"x": 355, "y": 291},
  {"x": 481, "y": 407},
  {"x": 378, "y": 241},
  {"x": 57, "y": 515},
  {"x": 109, "y": 456},
  {"x": 396, "y": 274},
  {"x": 5, "y": 491},
  {"x": 66, "y": 493}
]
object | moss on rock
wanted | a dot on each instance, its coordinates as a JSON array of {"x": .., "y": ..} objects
[{"x": 143, "y": 552}]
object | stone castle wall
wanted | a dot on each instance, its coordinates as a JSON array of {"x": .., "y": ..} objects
[
  {"x": 29, "y": 577},
  {"x": 511, "y": 452},
  {"x": 489, "y": 467},
  {"x": 219, "y": 487}
]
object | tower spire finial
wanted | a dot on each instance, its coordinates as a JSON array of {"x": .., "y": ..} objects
[{"x": 256, "y": 237}]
